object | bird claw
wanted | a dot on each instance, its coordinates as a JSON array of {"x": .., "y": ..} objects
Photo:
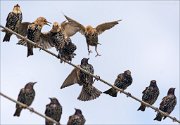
[
  {"x": 97, "y": 55},
  {"x": 128, "y": 94},
  {"x": 97, "y": 78},
  {"x": 31, "y": 109},
  {"x": 174, "y": 119},
  {"x": 156, "y": 110}
]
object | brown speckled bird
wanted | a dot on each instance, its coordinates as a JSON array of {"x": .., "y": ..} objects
[
  {"x": 13, "y": 20},
  {"x": 77, "y": 118},
  {"x": 34, "y": 32},
  {"x": 92, "y": 33},
  {"x": 88, "y": 92},
  {"x": 26, "y": 96},
  {"x": 53, "y": 110},
  {"x": 122, "y": 81},
  {"x": 167, "y": 105},
  {"x": 150, "y": 95}
]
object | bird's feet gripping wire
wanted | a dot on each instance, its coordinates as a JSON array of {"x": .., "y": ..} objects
[{"x": 96, "y": 78}]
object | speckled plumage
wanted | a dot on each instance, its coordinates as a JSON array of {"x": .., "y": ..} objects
[
  {"x": 167, "y": 105},
  {"x": 53, "y": 110},
  {"x": 26, "y": 96},
  {"x": 123, "y": 81},
  {"x": 77, "y": 118},
  {"x": 150, "y": 95}
]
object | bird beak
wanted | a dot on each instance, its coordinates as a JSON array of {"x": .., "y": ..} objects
[
  {"x": 48, "y": 23},
  {"x": 34, "y": 83},
  {"x": 50, "y": 98},
  {"x": 87, "y": 58}
]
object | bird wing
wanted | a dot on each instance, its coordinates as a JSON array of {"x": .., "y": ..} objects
[
  {"x": 69, "y": 28},
  {"x": 72, "y": 78},
  {"x": 106, "y": 26},
  {"x": 45, "y": 40},
  {"x": 144, "y": 90},
  {"x": 76, "y": 24},
  {"x": 21, "y": 97},
  {"x": 22, "y": 28}
]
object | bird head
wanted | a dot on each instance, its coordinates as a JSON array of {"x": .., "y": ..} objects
[
  {"x": 54, "y": 100},
  {"x": 78, "y": 111},
  {"x": 90, "y": 30},
  {"x": 153, "y": 83},
  {"x": 17, "y": 9},
  {"x": 171, "y": 91},
  {"x": 41, "y": 21},
  {"x": 127, "y": 72},
  {"x": 84, "y": 61},
  {"x": 55, "y": 27},
  {"x": 30, "y": 85}
]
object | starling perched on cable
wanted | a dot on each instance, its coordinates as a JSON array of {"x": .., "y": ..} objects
[
  {"x": 26, "y": 96},
  {"x": 167, "y": 105},
  {"x": 91, "y": 33},
  {"x": 34, "y": 32},
  {"x": 150, "y": 95},
  {"x": 13, "y": 19},
  {"x": 123, "y": 81},
  {"x": 53, "y": 110},
  {"x": 88, "y": 92},
  {"x": 77, "y": 118}
]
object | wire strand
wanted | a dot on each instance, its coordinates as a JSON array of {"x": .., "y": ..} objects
[{"x": 95, "y": 76}]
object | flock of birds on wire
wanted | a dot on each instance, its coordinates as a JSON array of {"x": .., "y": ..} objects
[{"x": 59, "y": 37}]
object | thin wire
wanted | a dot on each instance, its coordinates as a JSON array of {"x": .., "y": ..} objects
[
  {"x": 29, "y": 108},
  {"x": 95, "y": 76}
]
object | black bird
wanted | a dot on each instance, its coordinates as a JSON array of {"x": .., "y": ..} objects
[
  {"x": 26, "y": 96},
  {"x": 14, "y": 18},
  {"x": 167, "y": 105},
  {"x": 77, "y": 118},
  {"x": 53, "y": 110},
  {"x": 122, "y": 81},
  {"x": 34, "y": 32},
  {"x": 150, "y": 95},
  {"x": 88, "y": 92}
]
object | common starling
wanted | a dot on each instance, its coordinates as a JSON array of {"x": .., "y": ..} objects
[
  {"x": 53, "y": 110},
  {"x": 150, "y": 95},
  {"x": 26, "y": 96},
  {"x": 167, "y": 105},
  {"x": 88, "y": 92},
  {"x": 14, "y": 18},
  {"x": 34, "y": 32},
  {"x": 122, "y": 81},
  {"x": 77, "y": 118},
  {"x": 91, "y": 33}
]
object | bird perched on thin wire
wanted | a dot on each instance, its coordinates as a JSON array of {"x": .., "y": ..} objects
[
  {"x": 167, "y": 105},
  {"x": 91, "y": 33},
  {"x": 53, "y": 110},
  {"x": 88, "y": 92},
  {"x": 77, "y": 118},
  {"x": 150, "y": 95},
  {"x": 26, "y": 96},
  {"x": 34, "y": 32},
  {"x": 14, "y": 18},
  {"x": 122, "y": 81}
]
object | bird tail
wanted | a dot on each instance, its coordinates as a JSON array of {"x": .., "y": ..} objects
[
  {"x": 48, "y": 122},
  {"x": 142, "y": 107},
  {"x": 18, "y": 112},
  {"x": 7, "y": 37},
  {"x": 112, "y": 92},
  {"x": 158, "y": 117},
  {"x": 89, "y": 93},
  {"x": 29, "y": 51}
]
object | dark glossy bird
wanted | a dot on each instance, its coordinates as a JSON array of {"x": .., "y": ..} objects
[
  {"x": 88, "y": 92},
  {"x": 167, "y": 105},
  {"x": 34, "y": 32},
  {"x": 26, "y": 96},
  {"x": 122, "y": 81},
  {"x": 90, "y": 33},
  {"x": 53, "y": 110},
  {"x": 150, "y": 95},
  {"x": 77, "y": 118},
  {"x": 14, "y": 18}
]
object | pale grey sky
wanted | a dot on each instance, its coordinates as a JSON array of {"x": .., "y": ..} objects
[{"x": 145, "y": 42}]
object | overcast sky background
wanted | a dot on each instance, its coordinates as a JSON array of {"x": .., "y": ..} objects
[{"x": 145, "y": 42}]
